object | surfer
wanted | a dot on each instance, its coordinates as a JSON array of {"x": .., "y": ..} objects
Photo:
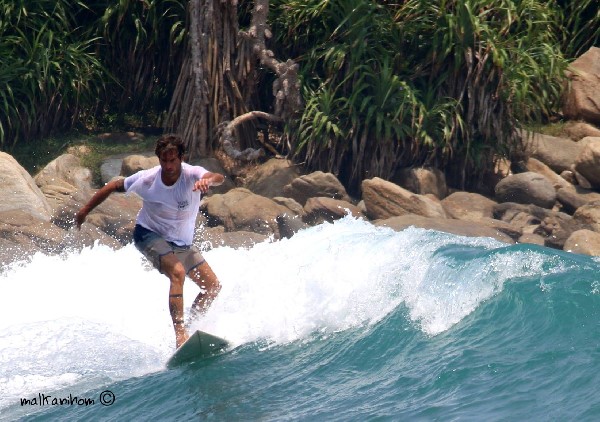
[{"x": 165, "y": 225}]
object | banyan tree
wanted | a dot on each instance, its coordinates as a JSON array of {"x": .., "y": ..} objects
[{"x": 212, "y": 104}]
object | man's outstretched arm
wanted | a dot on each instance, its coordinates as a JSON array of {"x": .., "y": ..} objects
[
  {"x": 208, "y": 180},
  {"x": 98, "y": 198}
]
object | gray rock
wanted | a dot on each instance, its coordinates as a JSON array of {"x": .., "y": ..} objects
[{"x": 526, "y": 188}]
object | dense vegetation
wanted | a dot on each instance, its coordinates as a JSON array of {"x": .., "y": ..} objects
[{"x": 386, "y": 84}]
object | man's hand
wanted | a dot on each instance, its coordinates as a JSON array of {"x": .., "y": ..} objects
[
  {"x": 208, "y": 180},
  {"x": 202, "y": 185}
]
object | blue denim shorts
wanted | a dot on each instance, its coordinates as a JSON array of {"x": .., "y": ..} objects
[{"x": 154, "y": 247}]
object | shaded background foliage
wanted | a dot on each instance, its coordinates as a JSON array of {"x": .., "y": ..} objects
[{"x": 386, "y": 84}]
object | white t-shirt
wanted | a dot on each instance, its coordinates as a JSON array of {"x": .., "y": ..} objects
[{"x": 170, "y": 211}]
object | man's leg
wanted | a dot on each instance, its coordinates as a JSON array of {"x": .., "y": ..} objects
[
  {"x": 207, "y": 280},
  {"x": 174, "y": 270}
]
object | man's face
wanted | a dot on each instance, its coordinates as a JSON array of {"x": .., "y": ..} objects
[{"x": 170, "y": 163}]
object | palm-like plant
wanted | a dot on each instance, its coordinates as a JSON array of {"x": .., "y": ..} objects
[
  {"x": 580, "y": 21},
  {"x": 141, "y": 47},
  {"x": 49, "y": 74},
  {"x": 419, "y": 82}
]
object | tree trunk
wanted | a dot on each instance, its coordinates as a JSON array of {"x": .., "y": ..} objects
[
  {"x": 213, "y": 85},
  {"x": 213, "y": 98}
]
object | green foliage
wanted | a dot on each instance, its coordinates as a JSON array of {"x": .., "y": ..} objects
[
  {"x": 391, "y": 85},
  {"x": 581, "y": 26},
  {"x": 49, "y": 74},
  {"x": 141, "y": 46}
]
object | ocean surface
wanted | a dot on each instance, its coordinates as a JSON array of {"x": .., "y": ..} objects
[{"x": 342, "y": 322}]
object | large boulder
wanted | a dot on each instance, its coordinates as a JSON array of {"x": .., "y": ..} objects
[
  {"x": 208, "y": 238},
  {"x": 557, "y": 153},
  {"x": 582, "y": 98},
  {"x": 588, "y": 216},
  {"x": 23, "y": 234},
  {"x": 536, "y": 166},
  {"x": 321, "y": 209},
  {"x": 468, "y": 206},
  {"x": 213, "y": 165},
  {"x": 586, "y": 242},
  {"x": 423, "y": 181},
  {"x": 588, "y": 163},
  {"x": 269, "y": 179},
  {"x": 65, "y": 169},
  {"x": 577, "y": 130},
  {"x": 113, "y": 166},
  {"x": 385, "y": 199},
  {"x": 131, "y": 164},
  {"x": 240, "y": 209},
  {"x": 314, "y": 185},
  {"x": 63, "y": 178},
  {"x": 526, "y": 188},
  {"x": 573, "y": 197},
  {"x": 19, "y": 191}
]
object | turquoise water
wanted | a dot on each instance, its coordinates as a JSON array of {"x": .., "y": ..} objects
[{"x": 344, "y": 321}]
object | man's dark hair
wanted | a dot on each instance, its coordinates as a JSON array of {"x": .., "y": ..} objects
[{"x": 169, "y": 142}]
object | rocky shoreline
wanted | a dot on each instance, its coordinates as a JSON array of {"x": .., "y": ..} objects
[{"x": 553, "y": 200}]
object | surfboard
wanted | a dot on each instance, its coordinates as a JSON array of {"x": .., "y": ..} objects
[{"x": 200, "y": 345}]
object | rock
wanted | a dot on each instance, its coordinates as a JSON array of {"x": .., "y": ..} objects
[
  {"x": 321, "y": 209},
  {"x": 423, "y": 181},
  {"x": 458, "y": 227},
  {"x": 131, "y": 164},
  {"x": 588, "y": 216},
  {"x": 385, "y": 199},
  {"x": 314, "y": 185},
  {"x": 554, "y": 227},
  {"x": 569, "y": 176},
  {"x": 65, "y": 168},
  {"x": 588, "y": 163},
  {"x": 574, "y": 197},
  {"x": 582, "y": 98},
  {"x": 557, "y": 153},
  {"x": 581, "y": 180},
  {"x": 578, "y": 130},
  {"x": 534, "y": 239},
  {"x": 588, "y": 140},
  {"x": 536, "y": 166},
  {"x": 290, "y": 225},
  {"x": 468, "y": 206},
  {"x": 270, "y": 178},
  {"x": 214, "y": 237},
  {"x": 295, "y": 208},
  {"x": 240, "y": 209},
  {"x": 19, "y": 191},
  {"x": 526, "y": 188},
  {"x": 213, "y": 165},
  {"x": 22, "y": 234},
  {"x": 62, "y": 179},
  {"x": 111, "y": 167},
  {"x": 586, "y": 242}
]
